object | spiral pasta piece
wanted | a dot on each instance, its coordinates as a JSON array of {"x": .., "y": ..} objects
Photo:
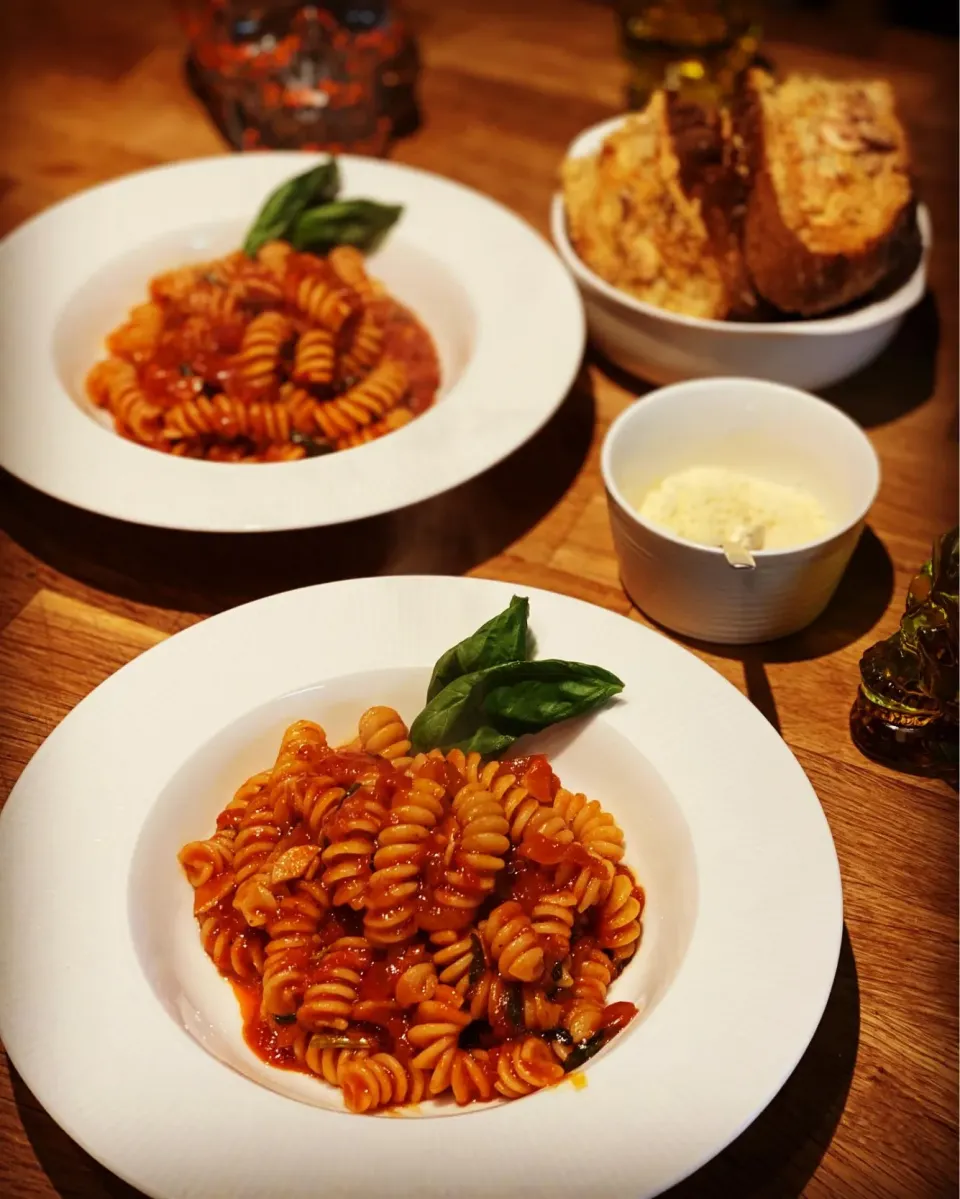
[
  {"x": 416, "y": 984},
  {"x": 201, "y": 860},
  {"x": 524, "y": 1066},
  {"x": 553, "y": 915},
  {"x": 618, "y": 926},
  {"x": 260, "y": 350},
  {"x": 114, "y": 384},
  {"x": 274, "y": 256},
  {"x": 333, "y": 990},
  {"x": 350, "y": 268},
  {"x": 471, "y": 1076},
  {"x": 138, "y": 337},
  {"x": 513, "y": 944},
  {"x": 330, "y": 1064},
  {"x": 391, "y": 898},
  {"x": 595, "y": 829},
  {"x": 382, "y": 732},
  {"x": 315, "y": 360},
  {"x": 539, "y": 1012},
  {"x": 392, "y": 421},
  {"x": 457, "y": 955},
  {"x": 353, "y": 840},
  {"x": 236, "y": 951},
  {"x": 477, "y": 858},
  {"x": 592, "y": 975},
  {"x": 222, "y": 416},
  {"x": 329, "y": 304},
  {"x": 433, "y": 1034},
  {"x": 381, "y": 1080},
  {"x": 215, "y": 302},
  {"x": 365, "y": 347}
]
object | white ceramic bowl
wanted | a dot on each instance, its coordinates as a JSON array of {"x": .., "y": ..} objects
[
  {"x": 766, "y": 430},
  {"x": 504, "y": 314},
  {"x": 665, "y": 347},
  {"x": 99, "y": 947}
]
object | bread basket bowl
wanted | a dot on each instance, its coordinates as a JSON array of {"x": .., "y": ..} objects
[{"x": 667, "y": 347}]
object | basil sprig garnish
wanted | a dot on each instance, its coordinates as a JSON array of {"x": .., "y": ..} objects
[
  {"x": 290, "y": 200},
  {"x": 502, "y": 639},
  {"x": 487, "y": 708},
  {"x": 360, "y": 223},
  {"x": 305, "y": 211}
]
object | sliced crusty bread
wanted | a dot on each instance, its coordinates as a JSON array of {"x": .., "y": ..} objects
[
  {"x": 831, "y": 209},
  {"x": 632, "y": 222},
  {"x": 714, "y": 173}
]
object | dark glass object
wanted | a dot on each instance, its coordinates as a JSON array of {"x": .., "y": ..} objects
[
  {"x": 280, "y": 74},
  {"x": 905, "y": 714}
]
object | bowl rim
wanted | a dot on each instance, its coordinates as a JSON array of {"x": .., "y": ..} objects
[
  {"x": 907, "y": 296},
  {"x": 663, "y": 395}
]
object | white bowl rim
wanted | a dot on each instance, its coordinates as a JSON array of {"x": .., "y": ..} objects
[
  {"x": 663, "y": 395},
  {"x": 907, "y": 296},
  {"x": 765, "y": 945},
  {"x": 80, "y": 462}
]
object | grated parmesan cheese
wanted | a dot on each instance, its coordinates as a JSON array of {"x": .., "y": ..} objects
[{"x": 713, "y": 505}]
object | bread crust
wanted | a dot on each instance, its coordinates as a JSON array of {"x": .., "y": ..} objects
[
  {"x": 713, "y": 172},
  {"x": 785, "y": 270}
]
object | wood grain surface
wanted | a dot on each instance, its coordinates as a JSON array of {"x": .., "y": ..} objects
[{"x": 90, "y": 92}]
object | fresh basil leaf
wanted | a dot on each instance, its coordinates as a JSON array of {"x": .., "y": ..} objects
[
  {"x": 487, "y": 710},
  {"x": 319, "y": 185},
  {"x": 313, "y": 448},
  {"x": 557, "y": 691},
  {"x": 502, "y": 639},
  {"x": 478, "y": 963},
  {"x": 514, "y": 1012},
  {"x": 361, "y": 223},
  {"x": 291, "y": 1019},
  {"x": 584, "y": 1051}
]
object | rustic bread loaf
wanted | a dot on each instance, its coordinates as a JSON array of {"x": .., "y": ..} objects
[
  {"x": 631, "y": 220},
  {"x": 714, "y": 172},
  {"x": 831, "y": 209}
]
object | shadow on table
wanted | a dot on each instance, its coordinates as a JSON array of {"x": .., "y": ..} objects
[
  {"x": 774, "y": 1157},
  {"x": 780, "y": 1151},
  {"x": 206, "y": 572},
  {"x": 860, "y": 601},
  {"x": 901, "y": 379}
]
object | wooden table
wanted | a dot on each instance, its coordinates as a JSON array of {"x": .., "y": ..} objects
[{"x": 94, "y": 91}]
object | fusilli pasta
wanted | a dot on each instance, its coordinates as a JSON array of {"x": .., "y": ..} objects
[
  {"x": 266, "y": 359},
  {"x": 412, "y": 926}
]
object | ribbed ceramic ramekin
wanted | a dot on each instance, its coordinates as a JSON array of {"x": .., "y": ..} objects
[{"x": 766, "y": 430}]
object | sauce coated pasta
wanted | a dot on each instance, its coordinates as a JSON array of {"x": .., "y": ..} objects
[
  {"x": 266, "y": 359},
  {"x": 410, "y": 926}
]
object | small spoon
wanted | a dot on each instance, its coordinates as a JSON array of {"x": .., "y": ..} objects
[{"x": 737, "y": 547}]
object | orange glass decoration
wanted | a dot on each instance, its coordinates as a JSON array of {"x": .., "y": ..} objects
[{"x": 281, "y": 75}]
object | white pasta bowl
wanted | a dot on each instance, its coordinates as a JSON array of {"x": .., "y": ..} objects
[
  {"x": 103, "y": 981},
  {"x": 666, "y": 347},
  {"x": 765, "y": 430},
  {"x": 505, "y": 317}
]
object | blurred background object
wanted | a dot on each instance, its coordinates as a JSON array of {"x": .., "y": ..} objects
[
  {"x": 280, "y": 74},
  {"x": 697, "y": 47}
]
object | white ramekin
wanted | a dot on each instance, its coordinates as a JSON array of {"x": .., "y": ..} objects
[
  {"x": 766, "y": 430},
  {"x": 664, "y": 347}
]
